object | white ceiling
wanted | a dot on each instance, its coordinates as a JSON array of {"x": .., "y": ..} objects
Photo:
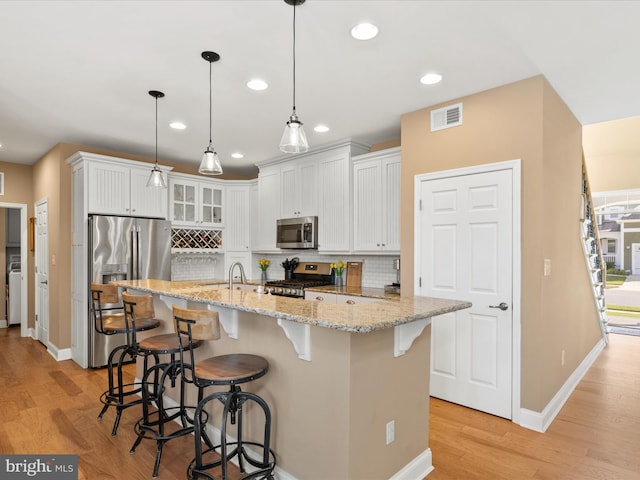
[{"x": 79, "y": 71}]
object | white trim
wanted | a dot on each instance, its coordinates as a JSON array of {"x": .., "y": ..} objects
[
  {"x": 59, "y": 355},
  {"x": 540, "y": 421},
  {"x": 419, "y": 467},
  {"x": 515, "y": 167}
]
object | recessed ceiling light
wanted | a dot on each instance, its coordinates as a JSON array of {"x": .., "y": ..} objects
[
  {"x": 237, "y": 155},
  {"x": 321, "y": 129},
  {"x": 431, "y": 79},
  {"x": 178, "y": 125},
  {"x": 364, "y": 31},
  {"x": 257, "y": 84}
]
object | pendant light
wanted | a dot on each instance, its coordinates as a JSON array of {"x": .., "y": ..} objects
[
  {"x": 294, "y": 139},
  {"x": 210, "y": 164},
  {"x": 156, "y": 179}
]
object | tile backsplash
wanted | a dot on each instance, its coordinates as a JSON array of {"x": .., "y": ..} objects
[{"x": 377, "y": 270}]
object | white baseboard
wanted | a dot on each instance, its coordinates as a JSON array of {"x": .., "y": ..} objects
[
  {"x": 540, "y": 421},
  {"x": 3, "y": 324},
  {"x": 419, "y": 467}
]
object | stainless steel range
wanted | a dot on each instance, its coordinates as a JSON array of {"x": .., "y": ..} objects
[{"x": 305, "y": 275}]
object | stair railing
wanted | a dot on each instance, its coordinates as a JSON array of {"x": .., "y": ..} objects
[{"x": 593, "y": 252}]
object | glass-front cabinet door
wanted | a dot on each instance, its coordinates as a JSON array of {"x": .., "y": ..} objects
[
  {"x": 211, "y": 205},
  {"x": 184, "y": 202}
]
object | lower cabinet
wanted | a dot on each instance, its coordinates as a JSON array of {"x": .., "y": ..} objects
[{"x": 338, "y": 298}]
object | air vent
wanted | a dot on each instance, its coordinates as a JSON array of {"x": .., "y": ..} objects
[{"x": 446, "y": 117}]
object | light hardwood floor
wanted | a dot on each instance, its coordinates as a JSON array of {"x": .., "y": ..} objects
[{"x": 51, "y": 407}]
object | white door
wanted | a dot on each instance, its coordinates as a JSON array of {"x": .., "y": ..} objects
[
  {"x": 42, "y": 274},
  {"x": 465, "y": 252},
  {"x": 635, "y": 259}
]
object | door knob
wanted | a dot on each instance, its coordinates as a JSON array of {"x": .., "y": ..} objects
[{"x": 503, "y": 306}]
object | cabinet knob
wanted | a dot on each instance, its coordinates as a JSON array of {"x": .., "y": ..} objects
[
  {"x": 320, "y": 299},
  {"x": 350, "y": 302}
]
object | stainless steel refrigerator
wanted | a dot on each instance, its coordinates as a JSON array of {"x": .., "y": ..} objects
[{"x": 124, "y": 248}]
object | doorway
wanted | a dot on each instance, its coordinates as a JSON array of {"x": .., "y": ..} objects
[
  {"x": 19, "y": 248},
  {"x": 467, "y": 246}
]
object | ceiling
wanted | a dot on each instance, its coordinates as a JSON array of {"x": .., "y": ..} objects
[{"x": 79, "y": 71}]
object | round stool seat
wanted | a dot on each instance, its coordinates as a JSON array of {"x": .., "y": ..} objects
[
  {"x": 165, "y": 343},
  {"x": 116, "y": 324},
  {"x": 231, "y": 369}
]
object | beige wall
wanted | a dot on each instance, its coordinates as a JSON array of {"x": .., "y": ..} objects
[
  {"x": 612, "y": 154},
  {"x": 525, "y": 120}
]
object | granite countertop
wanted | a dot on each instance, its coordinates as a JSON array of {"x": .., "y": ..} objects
[{"x": 362, "y": 318}]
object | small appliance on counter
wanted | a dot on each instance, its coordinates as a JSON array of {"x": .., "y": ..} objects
[{"x": 394, "y": 287}]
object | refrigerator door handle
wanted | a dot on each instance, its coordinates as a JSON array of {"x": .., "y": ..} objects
[{"x": 135, "y": 268}]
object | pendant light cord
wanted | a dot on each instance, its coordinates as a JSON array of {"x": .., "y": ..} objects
[
  {"x": 210, "y": 104},
  {"x": 294, "y": 58},
  {"x": 156, "y": 132}
]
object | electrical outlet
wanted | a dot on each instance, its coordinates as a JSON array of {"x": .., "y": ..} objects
[
  {"x": 547, "y": 267},
  {"x": 562, "y": 358},
  {"x": 391, "y": 431}
]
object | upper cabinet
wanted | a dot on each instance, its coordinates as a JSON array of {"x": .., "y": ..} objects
[
  {"x": 299, "y": 191},
  {"x": 268, "y": 208},
  {"x": 195, "y": 203},
  {"x": 376, "y": 202},
  {"x": 237, "y": 235},
  {"x": 116, "y": 186},
  {"x": 334, "y": 198},
  {"x": 310, "y": 184}
]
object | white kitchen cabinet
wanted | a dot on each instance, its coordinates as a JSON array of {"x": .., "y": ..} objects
[
  {"x": 376, "y": 202},
  {"x": 334, "y": 212},
  {"x": 338, "y": 298},
  {"x": 254, "y": 214},
  {"x": 309, "y": 184},
  {"x": 299, "y": 188},
  {"x": 237, "y": 235},
  {"x": 119, "y": 187},
  {"x": 342, "y": 299},
  {"x": 268, "y": 208},
  {"x": 195, "y": 203}
]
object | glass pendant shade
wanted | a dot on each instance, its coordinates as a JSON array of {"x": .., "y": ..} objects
[
  {"x": 294, "y": 140},
  {"x": 210, "y": 164},
  {"x": 156, "y": 179}
]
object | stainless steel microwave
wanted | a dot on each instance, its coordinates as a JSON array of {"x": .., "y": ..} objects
[{"x": 299, "y": 232}]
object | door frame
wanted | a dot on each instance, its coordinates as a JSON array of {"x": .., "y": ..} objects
[
  {"x": 633, "y": 259},
  {"x": 24, "y": 246},
  {"x": 516, "y": 260}
]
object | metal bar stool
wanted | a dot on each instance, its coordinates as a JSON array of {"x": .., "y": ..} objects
[
  {"x": 136, "y": 318},
  {"x": 156, "y": 424},
  {"x": 229, "y": 370}
]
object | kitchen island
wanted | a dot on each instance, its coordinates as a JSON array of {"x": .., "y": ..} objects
[{"x": 339, "y": 374}]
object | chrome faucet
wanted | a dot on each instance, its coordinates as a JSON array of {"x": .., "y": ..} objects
[{"x": 243, "y": 278}]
